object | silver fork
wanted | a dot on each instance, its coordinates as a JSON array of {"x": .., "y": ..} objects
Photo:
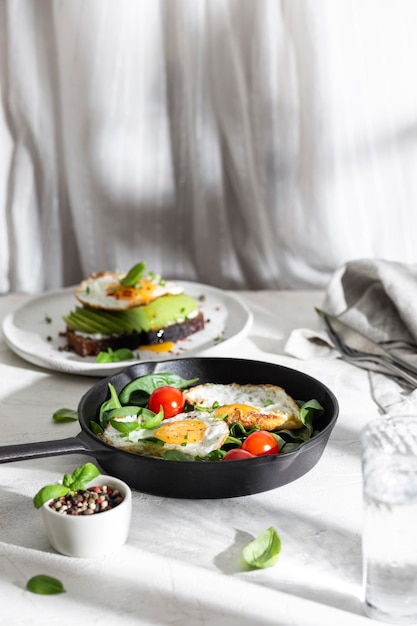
[
  {"x": 399, "y": 343},
  {"x": 357, "y": 356}
]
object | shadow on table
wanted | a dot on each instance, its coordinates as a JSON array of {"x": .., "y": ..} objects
[{"x": 336, "y": 551}]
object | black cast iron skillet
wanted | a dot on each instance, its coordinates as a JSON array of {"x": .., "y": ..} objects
[{"x": 199, "y": 479}]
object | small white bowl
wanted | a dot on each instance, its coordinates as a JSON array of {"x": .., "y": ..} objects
[{"x": 91, "y": 535}]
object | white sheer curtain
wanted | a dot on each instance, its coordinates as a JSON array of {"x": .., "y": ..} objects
[{"x": 240, "y": 143}]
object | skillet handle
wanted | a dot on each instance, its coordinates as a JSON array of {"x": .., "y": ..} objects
[{"x": 23, "y": 451}]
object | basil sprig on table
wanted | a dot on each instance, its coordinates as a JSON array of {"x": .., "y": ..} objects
[
  {"x": 264, "y": 550},
  {"x": 65, "y": 415},
  {"x": 45, "y": 585},
  {"x": 70, "y": 483}
]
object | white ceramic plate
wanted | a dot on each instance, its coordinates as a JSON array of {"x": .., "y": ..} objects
[{"x": 33, "y": 331}]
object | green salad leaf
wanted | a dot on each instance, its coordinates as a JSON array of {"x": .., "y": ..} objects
[
  {"x": 264, "y": 550},
  {"x": 308, "y": 411},
  {"x": 96, "y": 428},
  {"x": 124, "y": 427},
  {"x": 45, "y": 585},
  {"x": 112, "y": 403},
  {"x": 141, "y": 388},
  {"x": 133, "y": 399},
  {"x": 177, "y": 455}
]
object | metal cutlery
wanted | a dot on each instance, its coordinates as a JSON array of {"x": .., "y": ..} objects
[{"x": 356, "y": 347}]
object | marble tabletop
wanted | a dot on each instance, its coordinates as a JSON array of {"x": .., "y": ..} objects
[{"x": 182, "y": 561}]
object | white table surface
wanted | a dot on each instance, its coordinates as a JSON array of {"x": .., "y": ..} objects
[{"x": 181, "y": 564}]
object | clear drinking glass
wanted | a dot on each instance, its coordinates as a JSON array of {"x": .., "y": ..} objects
[{"x": 389, "y": 534}]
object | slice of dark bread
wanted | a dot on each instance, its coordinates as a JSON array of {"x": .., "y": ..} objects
[{"x": 87, "y": 346}]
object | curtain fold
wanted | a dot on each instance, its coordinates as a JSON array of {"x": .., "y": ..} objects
[{"x": 242, "y": 144}]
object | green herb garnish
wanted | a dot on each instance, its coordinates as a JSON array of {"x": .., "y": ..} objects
[
  {"x": 139, "y": 390},
  {"x": 45, "y": 585},
  {"x": 263, "y": 551},
  {"x": 114, "y": 356},
  {"x": 71, "y": 482},
  {"x": 65, "y": 415},
  {"x": 134, "y": 275}
]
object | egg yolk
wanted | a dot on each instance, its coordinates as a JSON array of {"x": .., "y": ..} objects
[
  {"x": 229, "y": 409},
  {"x": 166, "y": 346},
  {"x": 142, "y": 294},
  {"x": 183, "y": 431}
]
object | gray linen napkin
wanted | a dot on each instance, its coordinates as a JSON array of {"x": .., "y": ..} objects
[{"x": 379, "y": 299}]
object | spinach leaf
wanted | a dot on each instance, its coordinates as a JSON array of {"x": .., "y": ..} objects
[
  {"x": 96, "y": 428},
  {"x": 149, "y": 419},
  {"x": 308, "y": 411},
  {"x": 263, "y": 551},
  {"x": 122, "y": 411},
  {"x": 125, "y": 427},
  {"x": 177, "y": 455},
  {"x": 112, "y": 403},
  {"x": 45, "y": 585},
  {"x": 148, "y": 383}
]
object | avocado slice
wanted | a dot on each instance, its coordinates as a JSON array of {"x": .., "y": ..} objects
[{"x": 166, "y": 310}]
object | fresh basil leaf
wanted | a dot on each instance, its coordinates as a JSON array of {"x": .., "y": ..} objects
[
  {"x": 154, "y": 440},
  {"x": 105, "y": 357},
  {"x": 112, "y": 403},
  {"x": 214, "y": 455},
  {"x": 65, "y": 415},
  {"x": 114, "y": 356},
  {"x": 263, "y": 551},
  {"x": 177, "y": 455},
  {"x": 49, "y": 492},
  {"x": 45, "y": 585},
  {"x": 281, "y": 442},
  {"x": 233, "y": 441},
  {"x": 134, "y": 275},
  {"x": 96, "y": 428},
  {"x": 150, "y": 419},
  {"x": 85, "y": 473},
  {"x": 150, "y": 382},
  {"x": 67, "y": 480},
  {"x": 123, "y": 411},
  {"x": 125, "y": 427},
  {"x": 308, "y": 412},
  {"x": 289, "y": 447},
  {"x": 240, "y": 432}
]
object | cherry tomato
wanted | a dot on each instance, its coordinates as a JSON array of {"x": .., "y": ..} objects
[
  {"x": 260, "y": 442},
  {"x": 170, "y": 398},
  {"x": 237, "y": 453}
]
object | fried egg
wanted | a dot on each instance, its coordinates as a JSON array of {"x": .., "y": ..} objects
[
  {"x": 267, "y": 406},
  {"x": 194, "y": 433},
  {"x": 103, "y": 290}
]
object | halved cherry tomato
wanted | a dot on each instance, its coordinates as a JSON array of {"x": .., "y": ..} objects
[
  {"x": 170, "y": 398},
  {"x": 260, "y": 442},
  {"x": 237, "y": 453}
]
